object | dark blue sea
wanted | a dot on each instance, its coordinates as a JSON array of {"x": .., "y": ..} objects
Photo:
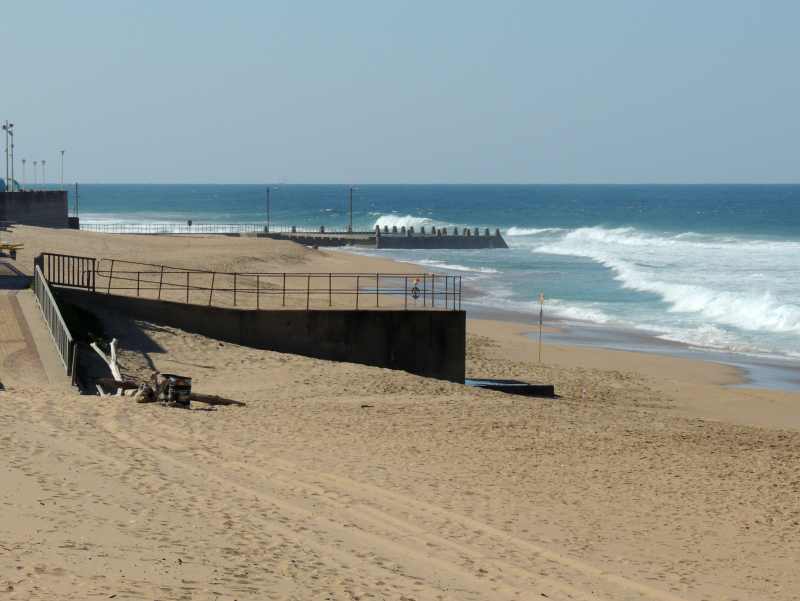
[{"x": 708, "y": 266}]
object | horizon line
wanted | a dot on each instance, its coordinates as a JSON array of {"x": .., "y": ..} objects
[{"x": 356, "y": 184}]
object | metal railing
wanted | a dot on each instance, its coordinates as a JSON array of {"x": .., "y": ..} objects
[
  {"x": 68, "y": 270},
  {"x": 183, "y": 228},
  {"x": 219, "y": 228},
  {"x": 357, "y": 291},
  {"x": 59, "y": 331}
]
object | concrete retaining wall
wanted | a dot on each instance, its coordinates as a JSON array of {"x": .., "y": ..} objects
[
  {"x": 427, "y": 343},
  {"x": 44, "y": 208}
]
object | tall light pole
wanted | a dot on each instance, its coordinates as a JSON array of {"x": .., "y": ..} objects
[
  {"x": 7, "y": 129},
  {"x": 350, "y": 226},
  {"x": 35, "y": 173},
  {"x": 11, "y": 135},
  {"x": 44, "y": 177},
  {"x": 23, "y": 173},
  {"x": 62, "y": 169}
]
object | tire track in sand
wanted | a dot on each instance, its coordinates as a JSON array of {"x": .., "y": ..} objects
[{"x": 378, "y": 509}]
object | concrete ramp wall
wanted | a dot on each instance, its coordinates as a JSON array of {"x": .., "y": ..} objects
[
  {"x": 427, "y": 343},
  {"x": 43, "y": 208}
]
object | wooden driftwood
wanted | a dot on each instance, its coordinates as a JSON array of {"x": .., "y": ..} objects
[
  {"x": 212, "y": 399},
  {"x": 153, "y": 391},
  {"x": 111, "y": 361},
  {"x": 112, "y": 383}
]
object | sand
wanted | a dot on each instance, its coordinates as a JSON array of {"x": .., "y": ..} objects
[{"x": 647, "y": 479}]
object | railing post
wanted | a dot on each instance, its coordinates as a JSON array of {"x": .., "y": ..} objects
[
  {"x": 187, "y": 287},
  {"x": 211, "y": 292},
  {"x": 138, "y": 273},
  {"x": 424, "y": 289},
  {"x": 433, "y": 290},
  {"x": 308, "y": 291},
  {"x": 234, "y": 289},
  {"x": 405, "y": 292},
  {"x": 110, "y": 275},
  {"x": 377, "y": 290},
  {"x": 283, "y": 302},
  {"x": 358, "y": 287},
  {"x": 160, "y": 282},
  {"x": 446, "y": 287},
  {"x": 330, "y": 289},
  {"x": 94, "y": 274},
  {"x": 258, "y": 291}
]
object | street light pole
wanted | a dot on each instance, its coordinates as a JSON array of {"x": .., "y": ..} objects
[
  {"x": 350, "y": 226},
  {"x": 35, "y": 172},
  {"x": 62, "y": 169},
  {"x": 23, "y": 173},
  {"x": 44, "y": 177},
  {"x": 11, "y": 134},
  {"x": 5, "y": 129}
]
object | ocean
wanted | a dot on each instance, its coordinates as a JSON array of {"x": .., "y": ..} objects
[{"x": 706, "y": 267}]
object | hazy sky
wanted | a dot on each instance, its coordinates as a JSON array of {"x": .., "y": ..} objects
[{"x": 428, "y": 91}]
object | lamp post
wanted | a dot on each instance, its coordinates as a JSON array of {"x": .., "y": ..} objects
[
  {"x": 23, "y": 173},
  {"x": 44, "y": 177},
  {"x": 11, "y": 135},
  {"x": 8, "y": 129},
  {"x": 62, "y": 169},
  {"x": 350, "y": 225},
  {"x": 35, "y": 173}
]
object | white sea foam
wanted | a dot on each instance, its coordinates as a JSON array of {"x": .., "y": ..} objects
[
  {"x": 531, "y": 231},
  {"x": 699, "y": 275},
  {"x": 401, "y": 221},
  {"x": 454, "y": 266},
  {"x": 577, "y": 312}
]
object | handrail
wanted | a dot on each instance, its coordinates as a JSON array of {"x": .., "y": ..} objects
[
  {"x": 59, "y": 331},
  {"x": 68, "y": 270},
  {"x": 248, "y": 289},
  {"x": 254, "y": 289},
  {"x": 184, "y": 228}
]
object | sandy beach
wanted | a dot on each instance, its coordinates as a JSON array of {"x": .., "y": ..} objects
[{"x": 649, "y": 477}]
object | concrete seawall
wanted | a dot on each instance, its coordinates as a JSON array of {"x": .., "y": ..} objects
[
  {"x": 43, "y": 208},
  {"x": 427, "y": 343}
]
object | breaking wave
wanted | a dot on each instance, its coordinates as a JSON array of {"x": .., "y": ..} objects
[
  {"x": 531, "y": 231},
  {"x": 401, "y": 221},
  {"x": 454, "y": 266},
  {"x": 720, "y": 279}
]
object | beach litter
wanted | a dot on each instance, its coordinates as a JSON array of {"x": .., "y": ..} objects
[{"x": 170, "y": 390}]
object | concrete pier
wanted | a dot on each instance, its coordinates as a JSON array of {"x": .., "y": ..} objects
[
  {"x": 440, "y": 239},
  {"x": 433, "y": 238}
]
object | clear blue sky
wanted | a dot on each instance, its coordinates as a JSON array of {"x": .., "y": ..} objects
[{"x": 416, "y": 91}]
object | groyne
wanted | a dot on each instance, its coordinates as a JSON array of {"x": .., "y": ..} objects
[
  {"x": 399, "y": 238},
  {"x": 436, "y": 238}
]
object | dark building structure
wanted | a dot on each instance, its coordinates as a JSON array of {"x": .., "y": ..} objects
[{"x": 44, "y": 208}]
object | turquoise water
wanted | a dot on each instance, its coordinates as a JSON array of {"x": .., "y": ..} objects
[{"x": 712, "y": 266}]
